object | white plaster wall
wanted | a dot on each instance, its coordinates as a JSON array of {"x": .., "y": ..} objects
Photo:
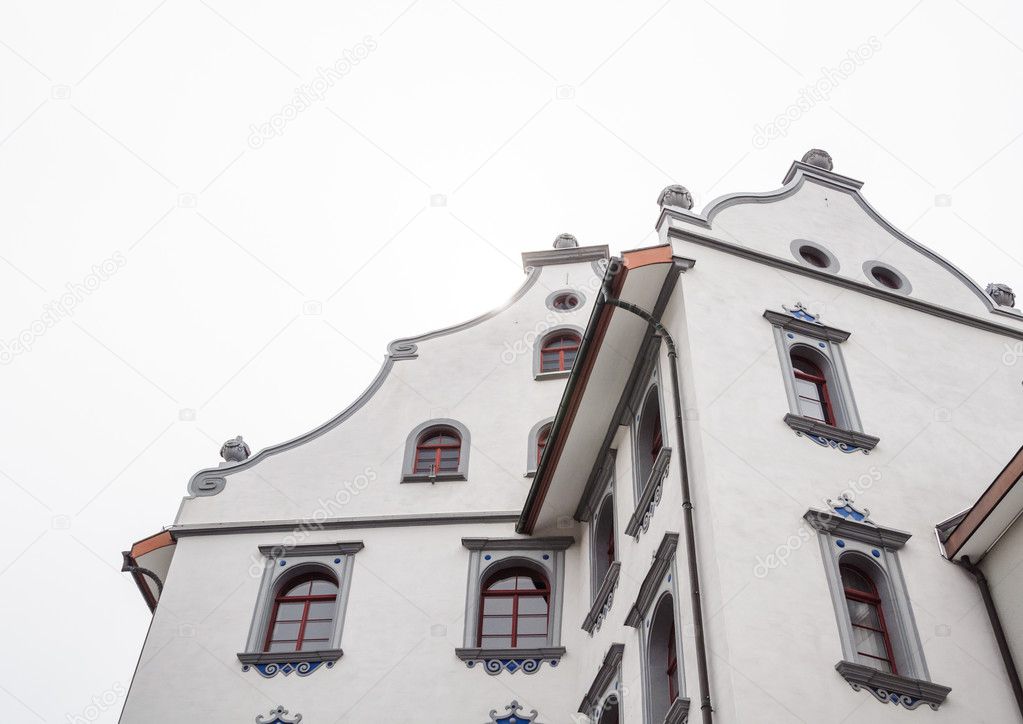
[
  {"x": 481, "y": 376},
  {"x": 930, "y": 389},
  {"x": 1005, "y": 577}
]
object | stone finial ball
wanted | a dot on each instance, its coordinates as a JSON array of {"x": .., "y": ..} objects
[
  {"x": 820, "y": 159},
  {"x": 234, "y": 451},
  {"x": 565, "y": 241},
  {"x": 1002, "y": 294},
  {"x": 676, "y": 195}
]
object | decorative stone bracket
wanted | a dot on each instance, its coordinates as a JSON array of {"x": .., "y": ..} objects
[
  {"x": 512, "y": 715},
  {"x": 285, "y": 662},
  {"x": 511, "y": 660},
  {"x": 278, "y": 716},
  {"x": 890, "y": 688},
  {"x": 848, "y": 441},
  {"x": 603, "y": 601},
  {"x": 678, "y": 712},
  {"x": 639, "y": 523}
]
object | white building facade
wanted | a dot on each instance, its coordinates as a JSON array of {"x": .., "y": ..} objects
[{"x": 698, "y": 481}]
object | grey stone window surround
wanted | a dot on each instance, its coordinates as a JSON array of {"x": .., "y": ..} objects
[
  {"x": 538, "y": 346},
  {"x": 859, "y": 542},
  {"x": 650, "y": 496},
  {"x": 505, "y": 553},
  {"x": 412, "y": 441},
  {"x": 652, "y": 374},
  {"x": 833, "y": 264},
  {"x": 574, "y": 292},
  {"x": 534, "y": 437},
  {"x": 300, "y": 559},
  {"x": 868, "y": 266},
  {"x": 811, "y": 336},
  {"x": 606, "y": 686},
  {"x": 660, "y": 581}
]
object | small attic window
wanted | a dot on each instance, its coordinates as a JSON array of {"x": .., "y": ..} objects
[
  {"x": 564, "y": 300},
  {"x": 814, "y": 255},
  {"x": 886, "y": 277}
]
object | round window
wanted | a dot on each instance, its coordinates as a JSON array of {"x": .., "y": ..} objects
[
  {"x": 564, "y": 300},
  {"x": 813, "y": 257},
  {"x": 887, "y": 277}
]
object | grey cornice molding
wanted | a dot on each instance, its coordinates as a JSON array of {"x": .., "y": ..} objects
[
  {"x": 316, "y": 549},
  {"x": 383, "y": 521},
  {"x": 842, "y": 527},
  {"x": 574, "y": 255},
  {"x": 593, "y": 493},
  {"x": 557, "y": 543},
  {"x": 650, "y": 496},
  {"x": 864, "y": 287},
  {"x": 844, "y": 439},
  {"x": 603, "y": 600},
  {"x": 810, "y": 329},
  {"x": 399, "y": 349},
  {"x": 891, "y": 688},
  {"x": 652, "y": 581},
  {"x": 605, "y": 677},
  {"x": 678, "y": 712},
  {"x": 280, "y": 657},
  {"x": 831, "y": 178}
]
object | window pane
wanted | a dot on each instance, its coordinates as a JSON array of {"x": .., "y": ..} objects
[
  {"x": 494, "y": 605},
  {"x": 276, "y": 646},
  {"x": 532, "y": 605},
  {"x": 863, "y": 614},
  {"x": 854, "y": 579},
  {"x": 496, "y": 642},
  {"x": 315, "y": 644},
  {"x": 318, "y": 629},
  {"x": 806, "y": 389},
  {"x": 300, "y": 590},
  {"x": 321, "y": 588},
  {"x": 811, "y": 409},
  {"x": 504, "y": 584},
  {"x": 321, "y": 609},
  {"x": 569, "y": 359},
  {"x": 497, "y": 625},
  {"x": 532, "y": 625},
  {"x": 285, "y": 632},
  {"x": 290, "y": 611},
  {"x": 531, "y": 641}
]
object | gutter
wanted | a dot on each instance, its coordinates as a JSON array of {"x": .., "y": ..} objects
[
  {"x": 996, "y": 626},
  {"x": 706, "y": 710}
]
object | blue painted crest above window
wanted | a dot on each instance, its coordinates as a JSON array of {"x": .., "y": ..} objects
[
  {"x": 846, "y": 507},
  {"x": 512, "y": 715},
  {"x": 799, "y": 311}
]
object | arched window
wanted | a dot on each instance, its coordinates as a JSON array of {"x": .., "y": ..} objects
[
  {"x": 303, "y": 614},
  {"x": 866, "y": 614},
  {"x": 603, "y": 541},
  {"x": 559, "y": 351},
  {"x": 812, "y": 388},
  {"x": 662, "y": 659},
  {"x": 438, "y": 450},
  {"x": 650, "y": 438},
  {"x": 514, "y": 605},
  {"x": 541, "y": 441},
  {"x": 611, "y": 714}
]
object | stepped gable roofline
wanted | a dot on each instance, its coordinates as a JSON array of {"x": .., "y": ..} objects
[
  {"x": 798, "y": 174},
  {"x": 404, "y": 348}
]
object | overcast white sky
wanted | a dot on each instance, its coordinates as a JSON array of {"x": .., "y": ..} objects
[{"x": 252, "y": 282}]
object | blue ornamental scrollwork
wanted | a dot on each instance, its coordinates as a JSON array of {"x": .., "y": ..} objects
[
  {"x": 302, "y": 668},
  {"x": 512, "y": 715},
  {"x": 278, "y": 716},
  {"x": 886, "y": 696},
  {"x": 799, "y": 311},
  {"x": 525, "y": 665},
  {"x": 828, "y": 442}
]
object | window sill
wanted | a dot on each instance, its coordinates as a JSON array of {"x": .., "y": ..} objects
[
  {"x": 603, "y": 600},
  {"x": 651, "y": 495},
  {"x": 511, "y": 660},
  {"x": 286, "y": 662},
  {"x": 678, "y": 713},
  {"x": 427, "y": 478},
  {"x": 825, "y": 435},
  {"x": 559, "y": 375},
  {"x": 891, "y": 688}
]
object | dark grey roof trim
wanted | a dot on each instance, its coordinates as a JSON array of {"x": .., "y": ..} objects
[
  {"x": 536, "y": 259},
  {"x": 850, "y": 438},
  {"x": 399, "y": 349},
  {"x": 843, "y": 527},
  {"x": 798, "y": 173},
  {"x": 605, "y": 676},
  {"x": 891, "y": 688},
  {"x": 862, "y": 287},
  {"x": 810, "y": 329},
  {"x": 652, "y": 581},
  {"x": 603, "y": 600},
  {"x": 316, "y": 549},
  {"x": 558, "y": 543},
  {"x": 380, "y": 521}
]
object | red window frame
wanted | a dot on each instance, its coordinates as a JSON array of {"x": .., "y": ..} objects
[
  {"x": 541, "y": 441},
  {"x": 305, "y": 599},
  {"x": 656, "y": 443},
  {"x": 671, "y": 669},
  {"x": 817, "y": 379},
  {"x": 873, "y": 599},
  {"x": 516, "y": 594},
  {"x": 432, "y": 462},
  {"x": 555, "y": 350}
]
